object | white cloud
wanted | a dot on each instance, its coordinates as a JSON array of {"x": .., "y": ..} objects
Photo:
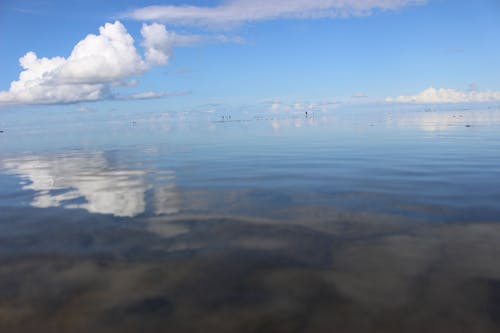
[
  {"x": 442, "y": 95},
  {"x": 157, "y": 43},
  {"x": 278, "y": 106},
  {"x": 83, "y": 108},
  {"x": 148, "y": 95},
  {"x": 359, "y": 95},
  {"x": 97, "y": 64},
  {"x": 239, "y": 11},
  {"x": 107, "y": 57},
  {"x": 154, "y": 94}
]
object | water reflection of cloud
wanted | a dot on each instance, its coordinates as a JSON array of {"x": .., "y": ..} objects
[
  {"x": 167, "y": 199},
  {"x": 67, "y": 180},
  {"x": 435, "y": 121},
  {"x": 233, "y": 272},
  {"x": 281, "y": 123}
]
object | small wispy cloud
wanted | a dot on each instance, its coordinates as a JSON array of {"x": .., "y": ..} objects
[
  {"x": 359, "y": 95},
  {"x": 23, "y": 10},
  {"x": 85, "y": 109},
  {"x": 240, "y": 11},
  {"x": 443, "y": 95},
  {"x": 153, "y": 95}
]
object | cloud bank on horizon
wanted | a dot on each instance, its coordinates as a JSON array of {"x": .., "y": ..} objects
[
  {"x": 432, "y": 95},
  {"x": 234, "y": 12}
]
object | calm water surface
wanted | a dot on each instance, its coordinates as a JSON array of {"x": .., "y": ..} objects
[{"x": 359, "y": 221}]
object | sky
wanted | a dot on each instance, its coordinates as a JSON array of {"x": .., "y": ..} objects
[{"x": 282, "y": 55}]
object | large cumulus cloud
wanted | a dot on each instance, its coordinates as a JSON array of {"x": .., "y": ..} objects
[{"x": 95, "y": 65}]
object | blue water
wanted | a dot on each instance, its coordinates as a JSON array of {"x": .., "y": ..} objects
[{"x": 366, "y": 220}]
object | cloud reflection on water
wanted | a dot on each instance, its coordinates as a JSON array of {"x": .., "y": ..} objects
[
  {"x": 442, "y": 120},
  {"x": 352, "y": 271},
  {"x": 247, "y": 257},
  {"x": 65, "y": 180}
]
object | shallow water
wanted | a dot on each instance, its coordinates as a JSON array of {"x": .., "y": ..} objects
[{"x": 353, "y": 221}]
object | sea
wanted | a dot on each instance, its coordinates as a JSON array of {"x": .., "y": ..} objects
[{"x": 384, "y": 218}]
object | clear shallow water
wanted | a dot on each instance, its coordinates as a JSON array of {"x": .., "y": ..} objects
[{"x": 365, "y": 221}]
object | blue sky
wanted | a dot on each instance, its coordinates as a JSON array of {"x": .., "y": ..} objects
[{"x": 285, "y": 55}]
